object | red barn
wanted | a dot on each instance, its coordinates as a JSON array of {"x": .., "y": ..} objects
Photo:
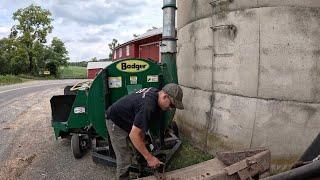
[
  {"x": 93, "y": 68},
  {"x": 145, "y": 46}
]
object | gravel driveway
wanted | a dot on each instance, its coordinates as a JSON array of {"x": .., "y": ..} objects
[{"x": 28, "y": 149}]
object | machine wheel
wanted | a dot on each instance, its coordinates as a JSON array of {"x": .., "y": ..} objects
[
  {"x": 175, "y": 128},
  {"x": 76, "y": 146}
]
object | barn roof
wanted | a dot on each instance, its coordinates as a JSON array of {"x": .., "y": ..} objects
[
  {"x": 148, "y": 34},
  {"x": 98, "y": 65}
]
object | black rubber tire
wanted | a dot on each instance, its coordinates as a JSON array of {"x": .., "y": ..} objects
[
  {"x": 175, "y": 128},
  {"x": 75, "y": 146}
]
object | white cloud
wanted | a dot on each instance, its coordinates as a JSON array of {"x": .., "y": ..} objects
[
  {"x": 87, "y": 27},
  {"x": 4, "y": 31}
]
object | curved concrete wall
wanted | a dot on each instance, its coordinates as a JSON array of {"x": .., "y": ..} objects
[
  {"x": 193, "y": 10},
  {"x": 257, "y": 85}
]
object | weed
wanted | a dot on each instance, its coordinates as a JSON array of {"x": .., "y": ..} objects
[{"x": 187, "y": 155}]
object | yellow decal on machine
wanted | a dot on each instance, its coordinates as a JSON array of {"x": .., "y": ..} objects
[
  {"x": 133, "y": 79},
  {"x": 132, "y": 66},
  {"x": 115, "y": 82},
  {"x": 153, "y": 78}
]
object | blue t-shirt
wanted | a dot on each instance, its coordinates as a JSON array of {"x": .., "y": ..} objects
[{"x": 139, "y": 109}]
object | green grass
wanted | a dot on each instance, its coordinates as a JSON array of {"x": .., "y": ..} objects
[
  {"x": 282, "y": 164},
  {"x": 70, "y": 72},
  {"x": 31, "y": 77},
  {"x": 10, "y": 79},
  {"x": 187, "y": 155},
  {"x": 14, "y": 79},
  {"x": 73, "y": 72}
]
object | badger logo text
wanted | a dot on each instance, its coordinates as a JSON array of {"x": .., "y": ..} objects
[{"x": 132, "y": 66}]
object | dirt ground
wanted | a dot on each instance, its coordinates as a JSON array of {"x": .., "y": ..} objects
[{"x": 28, "y": 148}]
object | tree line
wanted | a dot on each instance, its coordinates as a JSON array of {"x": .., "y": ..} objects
[{"x": 26, "y": 50}]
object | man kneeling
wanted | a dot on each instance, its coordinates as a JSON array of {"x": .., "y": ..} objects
[{"x": 130, "y": 117}]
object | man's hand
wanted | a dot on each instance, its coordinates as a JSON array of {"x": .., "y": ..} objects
[
  {"x": 154, "y": 162},
  {"x": 137, "y": 139}
]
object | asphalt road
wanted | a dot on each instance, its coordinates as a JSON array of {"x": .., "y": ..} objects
[{"x": 28, "y": 148}]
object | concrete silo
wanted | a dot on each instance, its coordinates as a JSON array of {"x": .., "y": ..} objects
[{"x": 250, "y": 72}]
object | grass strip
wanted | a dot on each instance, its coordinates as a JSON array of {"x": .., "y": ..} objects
[
  {"x": 187, "y": 155},
  {"x": 73, "y": 72},
  {"x": 10, "y": 79}
]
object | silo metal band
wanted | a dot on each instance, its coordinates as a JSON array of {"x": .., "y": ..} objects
[{"x": 170, "y": 5}]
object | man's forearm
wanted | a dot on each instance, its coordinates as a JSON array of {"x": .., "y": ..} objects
[{"x": 138, "y": 142}]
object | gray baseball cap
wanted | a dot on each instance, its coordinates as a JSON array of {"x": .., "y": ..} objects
[{"x": 175, "y": 92}]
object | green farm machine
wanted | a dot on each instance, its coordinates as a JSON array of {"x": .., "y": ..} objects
[{"x": 80, "y": 112}]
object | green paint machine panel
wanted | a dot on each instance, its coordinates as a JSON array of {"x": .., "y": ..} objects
[
  {"x": 112, "y": 83},
  {"x": 128, "y": 75}
]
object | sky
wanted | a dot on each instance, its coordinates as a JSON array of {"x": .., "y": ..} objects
[{"x": 87, "y": 26}]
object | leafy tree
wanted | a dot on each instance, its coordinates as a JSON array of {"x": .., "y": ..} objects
[
  {"x": 19, "y": 61},
  {"x": 60, "y": 52},
  {"x": 5, "y": 60},
  {"x": 12, "y": 57},
  {"x": 81, "y": 64},
  {"x": 112, "y": 46},
  {"x": 94, "y": 59},
  {"x": 34, "y": 24},
  {"x": 25, "y": 50},
  {"x": 39, "y": 52},
  {"x": 56, "y": 55}
]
